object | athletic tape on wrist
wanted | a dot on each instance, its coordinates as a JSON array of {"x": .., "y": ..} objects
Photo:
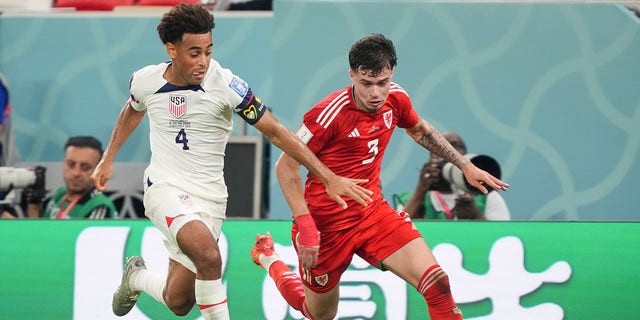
[{"x": 307, "y": 231}]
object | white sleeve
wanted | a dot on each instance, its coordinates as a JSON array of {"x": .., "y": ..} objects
[
  {"x": 496, "y": 208},
  {"x": 135, "y": 97}
]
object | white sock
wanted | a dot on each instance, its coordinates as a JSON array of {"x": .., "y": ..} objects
[
  {"x": 149, "y": 282},
  {"x": 211, "y": 297},
  {"x": 266, "y": 261}
]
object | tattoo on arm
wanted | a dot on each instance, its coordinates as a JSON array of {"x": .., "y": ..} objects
[{"x": 438, "y": 145}]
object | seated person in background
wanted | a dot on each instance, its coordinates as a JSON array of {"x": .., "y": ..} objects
[
  {"x": 434, "y": 198},
  {"x": 77, "y": 198}
]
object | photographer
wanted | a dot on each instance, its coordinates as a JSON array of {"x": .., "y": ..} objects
[
  {"x": 12, "y": 180},
  {"x": 77, "y": 198},
  {"x": 434, "y": 197}
]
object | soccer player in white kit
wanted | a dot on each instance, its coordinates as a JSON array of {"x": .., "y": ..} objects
[{"x": 190, "y": 101}]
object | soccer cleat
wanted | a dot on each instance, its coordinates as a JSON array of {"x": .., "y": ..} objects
[
  {"x": 263, "y": 245},
  {"x": 124, "y": 299}
]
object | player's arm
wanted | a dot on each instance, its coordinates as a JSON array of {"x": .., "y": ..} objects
[
  {"x": 288, "y": 142},
  {"x": 428, "y": 137},
  {"x": 308, "y": 239},
  {"x": 127, "y": 121}
]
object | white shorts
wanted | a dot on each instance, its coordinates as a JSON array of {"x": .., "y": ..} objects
[{"x": 170, "y": 208}]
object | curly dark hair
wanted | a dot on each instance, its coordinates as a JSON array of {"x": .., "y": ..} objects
[
  {"x": 184, "y": 18},
  {"x": 373, "y": 53}
]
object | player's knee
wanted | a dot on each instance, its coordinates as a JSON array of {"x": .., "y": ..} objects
[
  {"x": 181, "y": 309},
  {"x": 179, "y": 305},
  {"x": 434, "y": 283},
  {"x": 208, "y": 263},
  {"x": 325, "y": 314},
  {"x": 434, "y": 286}
]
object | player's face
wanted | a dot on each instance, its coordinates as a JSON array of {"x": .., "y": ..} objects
[
  {"x": 79, "y": 163},
  {"x": 370, "y": 92},
  {"x": 190, "y": 59}
]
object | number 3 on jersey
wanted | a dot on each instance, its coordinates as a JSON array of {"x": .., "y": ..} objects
[
  {"x": 373, "y": 148},
  {"x": 182, "y": 138}
]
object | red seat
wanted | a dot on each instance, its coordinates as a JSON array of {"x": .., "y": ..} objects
[
  {"x": 95, "y": 5},
  {"x": 165, "y": 2}
]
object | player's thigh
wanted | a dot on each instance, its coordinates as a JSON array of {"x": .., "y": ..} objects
[
  {"x": 334, "y": 257},
  {"x": 323, "y": 305},
  {"x": 170, "y": 209},
  {"x": 196, "y": 240},
  {"x": 411, "y": 261}
]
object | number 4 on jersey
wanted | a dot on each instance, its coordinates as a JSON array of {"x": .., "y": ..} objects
[{"x": 182, "y": 138}]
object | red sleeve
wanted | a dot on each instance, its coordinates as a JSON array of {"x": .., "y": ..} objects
[{"x": 407, "y": 116}]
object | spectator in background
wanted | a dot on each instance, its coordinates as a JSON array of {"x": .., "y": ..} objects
[
  {"x": 77, "y": 198},
  {"x": 434, "y": 197},
  {"x": 8, "y": 151}
]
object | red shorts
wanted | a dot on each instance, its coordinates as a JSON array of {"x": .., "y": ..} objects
[{"x": 381, "y": 232}]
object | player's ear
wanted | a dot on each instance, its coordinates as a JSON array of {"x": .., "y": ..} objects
[{"x": 171, "y": 50}]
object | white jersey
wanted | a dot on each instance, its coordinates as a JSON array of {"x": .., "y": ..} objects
[{"x": 190, "y": 126}]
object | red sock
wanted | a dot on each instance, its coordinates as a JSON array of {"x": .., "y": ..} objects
[
  {"x": 434, "y": 287},
  {"x": 290, "y": 286}
]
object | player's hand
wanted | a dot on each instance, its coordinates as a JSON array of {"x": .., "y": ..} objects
[
  {"x": 307, "y": 240},
  {"x": 480, "y": 179},
  {"x": 101, "y": 175},
  {"x": 340, "y": 186}
]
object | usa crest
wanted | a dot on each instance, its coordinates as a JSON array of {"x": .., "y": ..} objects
[
  {"x": 388, "y": 118},
  {"x": 177, "y": 105}
]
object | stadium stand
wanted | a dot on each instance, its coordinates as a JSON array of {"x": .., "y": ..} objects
[
  {"x": 164, "y": 2},
  {"x": 92, "y": 5}
]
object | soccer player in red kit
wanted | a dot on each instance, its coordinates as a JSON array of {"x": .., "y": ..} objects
[{"x": 349, "y": 131}]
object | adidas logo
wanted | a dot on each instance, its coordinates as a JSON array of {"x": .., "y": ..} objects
[{"x": 354, "y": 133}]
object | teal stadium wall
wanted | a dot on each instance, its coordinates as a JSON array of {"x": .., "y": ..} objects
[{"x": 549, "y": 90}]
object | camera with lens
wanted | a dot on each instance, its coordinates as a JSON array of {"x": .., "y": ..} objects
[
  {"x": 441, "y": 184},
  {"x": 452, "y": 178},
  {"x": 32, "y": 181}
]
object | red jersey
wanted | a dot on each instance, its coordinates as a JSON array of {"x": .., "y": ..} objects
[{"x": 351, "y": 143}]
